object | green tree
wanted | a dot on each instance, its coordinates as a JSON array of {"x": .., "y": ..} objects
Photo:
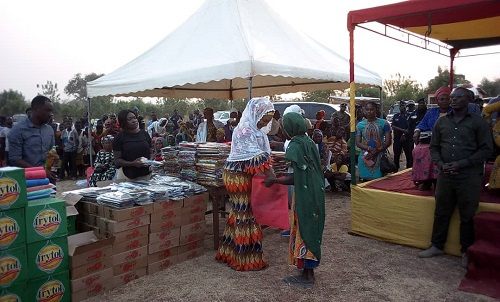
[
  {"x": 321, "y": 96},
  {"x": 12, "y": 102},
  {"x": 492, "y": 88},
  {"x": 368, "y": 92},
  {"x": 443, "y": 79},
  {"x": 50, "y": 90},
  {"x": 77, "y": 86},
  {"x": 401, "y": 88}
]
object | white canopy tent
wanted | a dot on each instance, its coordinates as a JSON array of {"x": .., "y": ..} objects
[{"x": 222, "y": 46}]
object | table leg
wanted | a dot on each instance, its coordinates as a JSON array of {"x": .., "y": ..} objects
[{"x": 215, "y": 213}]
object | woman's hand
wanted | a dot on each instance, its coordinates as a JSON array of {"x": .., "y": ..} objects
[
  {"x": 138, "y": 163},
  {"x": 416, "y": 137},
  {"x": 269, "y": 181}
]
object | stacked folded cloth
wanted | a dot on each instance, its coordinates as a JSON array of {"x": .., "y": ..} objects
[
  {"x": 187, "y": 161},
  {"x": 211, "y": 158},
  {"x": 280, "y": 165},
  {"x": 170, "y": 161},
  {"x": 38, "y": 184}
]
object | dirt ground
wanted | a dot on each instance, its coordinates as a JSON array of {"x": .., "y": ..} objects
[{"x": 353, "y": 268}]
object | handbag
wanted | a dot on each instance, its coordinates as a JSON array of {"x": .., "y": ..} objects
[{"x": 386, "y": 163}]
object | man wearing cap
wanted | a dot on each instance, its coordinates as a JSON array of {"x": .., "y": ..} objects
[
  {"x": 460, "y": 144},
  {"x": 176, "y": 119},
  {"x": 402, "y": 136},
  {"x": 345, "y": 119}
]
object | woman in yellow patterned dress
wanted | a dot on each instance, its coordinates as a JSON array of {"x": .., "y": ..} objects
[{"x": 241, "y": 244}]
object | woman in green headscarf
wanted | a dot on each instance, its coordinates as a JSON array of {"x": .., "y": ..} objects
[{"x": 308, "y": 203}]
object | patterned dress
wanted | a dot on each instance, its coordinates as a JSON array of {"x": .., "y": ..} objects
[
  {"x": 103, "y": 157},
  {"x": 373, "y": 135},
  {"x": 241, "y": 243}
]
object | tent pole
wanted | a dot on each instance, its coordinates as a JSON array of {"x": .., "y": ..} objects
[
  {"x": 453, "y": 53},
  {"x": 249, "y": 88},
  {"x": 352, "y": 105},
  {"x": 89, "y": 132}
]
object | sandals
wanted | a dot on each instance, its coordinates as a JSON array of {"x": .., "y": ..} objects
[{"x": 298, "y": 280}]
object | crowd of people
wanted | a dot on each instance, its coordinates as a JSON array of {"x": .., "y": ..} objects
[{"x": 453, "y": 142}]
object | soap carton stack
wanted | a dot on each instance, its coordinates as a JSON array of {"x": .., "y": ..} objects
[
  {"x": 33, "y": 243},
  {"x": 91, "y": 265},
  {"x": 130, "y": 230},
  {"x": 177, "y": 232}
]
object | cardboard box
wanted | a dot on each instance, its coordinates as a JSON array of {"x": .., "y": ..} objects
[
  {"x": 112, "y": 226},
  {"x": 15, "y": 293},
  {"x": 163, "y": 245},
  {"x": 93, "y": 290},
  {"x": 196, "y": 227},
  {"x": 130, "y": 255},
  {"x": 189, "y": 218},
  {"x": 13, "y": 266},
  {"x": 165, "y": 215},
  {"x": 90, "y": 268},
  {"x": 191, "y": 246},
  {"x": 48, "y": 257},
  {"x": 162, "y": 255},
  {"x": 85, "y": 227},
  {"x": 199, "y": 208},
  {"x": 130, "y": 266},
  {"x": 90, "y": 219},
  {"x": 12, "y": 188},
  {"x": 91, "y": 208},
  {"x": 12, "y": 229},
  {"x": 161, "y": 265},
  {"x": 126, "y": 214},
  {"x": 127, "y": 277},
  {"x": 167, "y": 205},
  {"x": 71, "y": 212},
  {"x": 158, "y": 227},
  {"x": 86, "y": 248},
  {"x": 196, "y": 200},
  {"x": 71, "y": 225},
  {"x": 128, "y": 234},
  {"x": 92, "y": 280},
  {"x": 190, "y": 255},
  {"x": 54, "y": 287},
  {"x": 122, "y": 247},
  {"x": 185, "y": 239},
  {"x": 45, "y": 219},
  {"x": 157, "y": 237}
]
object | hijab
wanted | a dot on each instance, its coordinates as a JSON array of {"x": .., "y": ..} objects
[{"x": 248, "y": 140}]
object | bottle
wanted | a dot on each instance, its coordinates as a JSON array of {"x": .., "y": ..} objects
[{"x": 52, "y": 161}]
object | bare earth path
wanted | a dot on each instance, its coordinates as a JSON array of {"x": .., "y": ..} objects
[{"x": 353, "y": 269}]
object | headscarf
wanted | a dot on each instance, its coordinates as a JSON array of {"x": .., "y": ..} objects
[
  {"x": 161, "y": 139},
  {"x": 320, "y": 115},
  {"x": 309, "y": 183},
  {"x": 248, "y": 141},
  {"x": 442, "y": 90},
  {"x": 292, "y": 108}
]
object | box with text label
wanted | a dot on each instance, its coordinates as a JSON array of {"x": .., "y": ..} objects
[
  {"x": 13, "y": 192},
  {"x": 167, "y": 205},
  {"x": 195, "y": 200},
  {"x": 126, "y": 214},
  {"x": 92, "y": 285},
  {"x": 127, "y": 277},
  {"x": 113, "y": 227},
  {"x": 161, "y": 265}
]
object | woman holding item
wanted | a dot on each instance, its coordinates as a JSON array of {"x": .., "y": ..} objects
[
  {"x": 131, "y": 148},
  {"x": 241, "y": 243},
  {"x": 373, "y": 136},
  {"x": 308, "y": 201}
]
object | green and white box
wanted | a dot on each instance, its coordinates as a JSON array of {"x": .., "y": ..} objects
[
  {"x": 45, "y": 219},
  {"x": 12, "y": 229},
  {"x": 12, "y": 188},
  {"x": 54, "y": 287},
  {"x": 48, "y": 257},
  {"x": 13, "y": 266}
]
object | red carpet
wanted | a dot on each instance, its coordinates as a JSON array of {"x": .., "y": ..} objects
[
  {"x": 483, "y": 274},
  {"x": 402, "y": 183}
]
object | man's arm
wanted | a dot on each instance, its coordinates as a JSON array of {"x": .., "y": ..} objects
[
  {"x": 435, "y": 147},
  {"x": 484, "y": 146},
  {"x": 16, "y": 143}
]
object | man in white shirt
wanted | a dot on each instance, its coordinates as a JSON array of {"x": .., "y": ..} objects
[{"x": 4, "y": 142}]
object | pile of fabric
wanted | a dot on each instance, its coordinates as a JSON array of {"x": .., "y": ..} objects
[
  {"x": 38, "y": 184},
  {"x": 210, "y": 163},
  {"x": 280, "y": 165},
  {"x": 187, "y": 161},
  {"x": 170, "y": 161}
]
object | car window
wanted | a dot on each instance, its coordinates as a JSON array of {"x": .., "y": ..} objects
[{"x": 225, "y": 115}]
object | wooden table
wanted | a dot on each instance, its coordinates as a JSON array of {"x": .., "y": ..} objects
[{"x": 218, "y": 198}]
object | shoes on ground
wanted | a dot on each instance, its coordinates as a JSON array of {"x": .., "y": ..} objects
[{"x": 431, "y": 252}]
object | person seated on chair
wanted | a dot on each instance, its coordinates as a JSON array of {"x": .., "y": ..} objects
[
  {"x": 339, "y": 177},
  {"x": 338, "y": 144},
  {"x": 323, "y": 149},
  {"x": 105, "y": 168}
]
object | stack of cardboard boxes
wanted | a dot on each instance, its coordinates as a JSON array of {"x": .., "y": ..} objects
[
  {"x": 144, "y": 239},
  {"x": 33, "y": 243}
]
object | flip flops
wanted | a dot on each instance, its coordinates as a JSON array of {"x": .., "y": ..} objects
[{"x": 298, "y": 281}]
